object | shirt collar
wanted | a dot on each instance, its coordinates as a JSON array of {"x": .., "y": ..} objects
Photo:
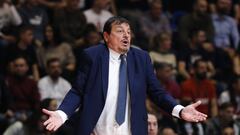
[{"x": 114, "y": 54}]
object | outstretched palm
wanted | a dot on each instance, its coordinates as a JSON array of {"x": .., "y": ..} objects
[
  {"x": 190, "y": 114},
  {"x": 54, "y": 121}
]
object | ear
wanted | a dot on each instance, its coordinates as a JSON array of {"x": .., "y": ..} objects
[{"x": 106, "y": 36}]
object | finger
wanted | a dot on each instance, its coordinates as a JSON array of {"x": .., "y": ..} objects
[
  {"x": 50, "y": 127},
  {"x": 47, "y": 122},
  {"x": 196, "y": 104},
  {"x": 46, "y": 111},
  {"x": 55, "y": 128}
]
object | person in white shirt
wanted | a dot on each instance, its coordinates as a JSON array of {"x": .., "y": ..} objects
[
  {"x": 98, "y": 14},
  {"x": 53, "y": 85}
]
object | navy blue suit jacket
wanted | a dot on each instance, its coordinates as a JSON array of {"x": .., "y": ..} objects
[{"x": 89, "y": 91}]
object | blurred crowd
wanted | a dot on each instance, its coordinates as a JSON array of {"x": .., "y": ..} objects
[{"x": 193, "y": 45}]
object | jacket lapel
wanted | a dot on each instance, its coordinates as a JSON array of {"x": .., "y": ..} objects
[
  {"x": 105, "y": 66},
  {"x": 130, "y": 70}
]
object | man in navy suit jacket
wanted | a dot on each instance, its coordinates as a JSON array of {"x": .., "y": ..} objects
[{"x": 95, "y": 92}]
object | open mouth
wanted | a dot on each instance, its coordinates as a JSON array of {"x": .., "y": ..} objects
[{"x": 125, "y": 42}]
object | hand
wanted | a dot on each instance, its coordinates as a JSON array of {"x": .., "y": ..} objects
[
  {"x": 190, "y": 114},
  {"x": 54, "y": 121}
]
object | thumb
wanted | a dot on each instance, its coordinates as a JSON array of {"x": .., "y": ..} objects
[
  {"x": 46, "y": 111},
  {"x": 196, "y": 104}
]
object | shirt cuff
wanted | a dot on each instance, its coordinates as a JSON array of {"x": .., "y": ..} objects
[
  {"x": 62, "y": 115},
  {"x": 176, "y": 110}
]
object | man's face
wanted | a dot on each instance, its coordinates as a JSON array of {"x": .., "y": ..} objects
[
  {"x": 119, "y": 38},
  {"x": 201, "y": 7},
  {"x": 73, "y": 4},
  {"x": 236, "y": 87},
  {"x": 27, "y": 37},
  {"x": 156, "y": 10},
  {"x": 20, "y": 67},
  {"x": 224, "y": 6},
  {"x": 102, "y": 4},
  {"x": 54, "y": 69},
  {"x": 152, "y": 125},
  {"x": 49, "y": 33},
  {"x": 165, "y": 74},
  {"x": 227, "y": 114}
]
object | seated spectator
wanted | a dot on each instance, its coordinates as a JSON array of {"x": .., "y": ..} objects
[
  {"x": 152, "y": 124},
  {"x": 154, "y": 22},
  {"x": 34, "y": 15},
  {"x": 188, "y": 55},
  {"x": 25, "y": 48},
  {"x": 53, "y": 85},
  {"x": 53, "y": 47},
  {"x": 199, "y": 87},
  {"x": 71, "y": 22},
  {"x": 216, "y": 125},
  {"x": 199, "y": 19},
  {"x": 98, "y": 14},
  {"x": 165, "y": 75},
  {"x": 8, "y": 17},
  {"x": 162, "y": 50},
  {"x": 226, "y": 31},
  {"x": 24, "y": 90}
]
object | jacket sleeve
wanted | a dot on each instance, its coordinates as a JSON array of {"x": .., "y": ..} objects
[{"x": 73, "y": 99}]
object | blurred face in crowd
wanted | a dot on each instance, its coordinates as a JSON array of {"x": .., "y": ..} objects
[
  {"x": 156, "y": 10},
  {"x": 201, "y": 70},
  {"x": 168, "y": 131},
  {"x": 93, "y": 38},
  {"x": 227, "y": 114},
  {"x": 201, "y": 7},
  {"x": 152, "y": 125},
  {"x": 166, "y": 44},
  {"x": 201, "y": 37},
  {"x": 102, "y": 4},
  {"x": 165, "y": 73},
  {"x": 49, "y": 33},
  {"x": 53, "y": 105},
  {"x": 27, "y": 37},
  {"x": 224, "y": 6},
  {"x": 228, "y": 131},
  {"x": 73, "y": 4},
  {"x": 20, "y": 67},
  {"x": 54, "y": 69},
  {"x": 119, "y": 38}
]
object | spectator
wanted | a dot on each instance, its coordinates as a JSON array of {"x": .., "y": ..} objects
[
  {"x": 34, "y": 15},
  {"x": 200, "y": 88},
  {"x": 98, "y": 14},
  {"x": 165, "y": 74},
  {"x": 197, "y": 20},
  {"x": 216, "y": 125},
  {"x": 162, "y": 50},
  {"x": 71, "y": 22},
  {"x": 226, "y": 31},
  {"x": 228, "y": 130},
  {"x": 154, "y": 22},
  {"x": 188, "y": 55},
  {"x": 23, "y": 89},
  {"x": 8, "y": 17},
  {"x": 25, "y": 48},
  {"x": 152, "y": 124},
  {"x": 53, "y": 85},
  {"x": 53, "y": 47}
]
